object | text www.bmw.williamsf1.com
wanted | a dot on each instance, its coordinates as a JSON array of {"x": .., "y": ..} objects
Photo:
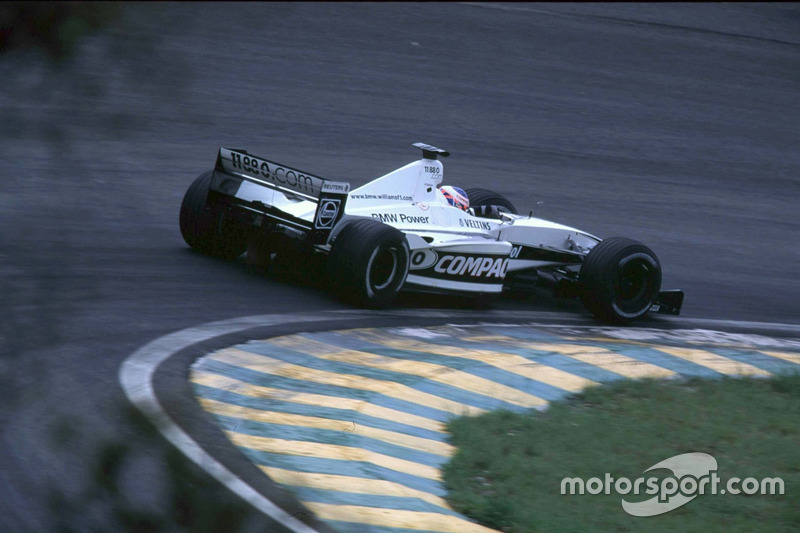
[{"x": 693, "y": 474}]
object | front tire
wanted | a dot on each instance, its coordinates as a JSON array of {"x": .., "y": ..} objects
[
  {"x": 369, "y": 263},
  {"x": 209, "y": 229},
  {"x": 619, "y": 280}
]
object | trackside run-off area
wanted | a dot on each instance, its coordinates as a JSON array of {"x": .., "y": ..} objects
[{"x": 356, "y": 423}]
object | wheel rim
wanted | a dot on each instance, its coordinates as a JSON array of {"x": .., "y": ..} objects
[
  {"x": 633, "y": 285},
  {"x": 383, "y": 267}
]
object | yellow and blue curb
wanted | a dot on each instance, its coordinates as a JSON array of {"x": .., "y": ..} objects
[{"x": 352, "y": 422}]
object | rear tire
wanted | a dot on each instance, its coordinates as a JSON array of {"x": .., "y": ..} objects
[
  {"x": 210, "y": 230},
  {"x": 369, "y": 263},
  {"x": 479, "y": 197},
  {"x": 619, "y": 280}
]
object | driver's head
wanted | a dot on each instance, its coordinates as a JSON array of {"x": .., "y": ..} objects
[{"x": 455, "y": 197}]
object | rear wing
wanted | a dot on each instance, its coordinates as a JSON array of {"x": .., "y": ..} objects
[{"x": 330, "y": 196}]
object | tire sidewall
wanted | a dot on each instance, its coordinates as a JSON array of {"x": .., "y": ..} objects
[
  {"x": 193, "y": 221},
  {"x": 359, "y": 249},
  {"x": 653, "y": 282},
  {"x": 383, "y": 293},
  {"x": 601, "y": 275},
  {"x": 209, "y": 229}
]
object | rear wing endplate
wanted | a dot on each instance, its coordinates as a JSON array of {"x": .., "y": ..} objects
[{"x": 330, "y": 196}]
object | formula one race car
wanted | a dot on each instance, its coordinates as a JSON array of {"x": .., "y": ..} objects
[{"x": 402, "y": 232}]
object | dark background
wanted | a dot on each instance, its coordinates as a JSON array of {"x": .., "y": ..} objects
[{"x": 674, "y": 124}]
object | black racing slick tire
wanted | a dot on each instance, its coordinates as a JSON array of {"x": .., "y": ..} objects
[
  {"x": 619, "y": 280},
  {"x": 368, "y": 263},
  {"x": 479, "y": 197},
  {"x": 209, "y": 229}
]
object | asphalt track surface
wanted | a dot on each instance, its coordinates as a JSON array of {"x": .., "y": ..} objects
[{"x": 675, "y": 125}]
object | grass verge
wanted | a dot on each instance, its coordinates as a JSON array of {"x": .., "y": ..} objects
[{"x": 508, "y": 469}]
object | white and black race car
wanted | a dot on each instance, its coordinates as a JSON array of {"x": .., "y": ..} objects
[{"x": 400, "y": 232}]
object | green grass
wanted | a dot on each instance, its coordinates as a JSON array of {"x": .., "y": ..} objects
[{"x": 508, "y": 469}]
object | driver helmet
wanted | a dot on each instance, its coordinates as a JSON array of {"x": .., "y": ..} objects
[{"x": 455, "y": 196}]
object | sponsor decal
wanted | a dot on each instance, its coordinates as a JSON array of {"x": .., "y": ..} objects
[
  {"x": 473, "y": 266},
  {"x": 399, "y": 218},
  {"x": 474, "y": 224},
  {"x": 326, "y": 215},
  {"x": 422, "y": 259},
  {"x": 410, "y": 219},
  {"x": 274, "y": 172},
  {"x": 335, "y": 186},
  {"x": 382, "y": 196},
  {"x": 533, "y": 253},
  {"x": 423, "y": 206}
]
